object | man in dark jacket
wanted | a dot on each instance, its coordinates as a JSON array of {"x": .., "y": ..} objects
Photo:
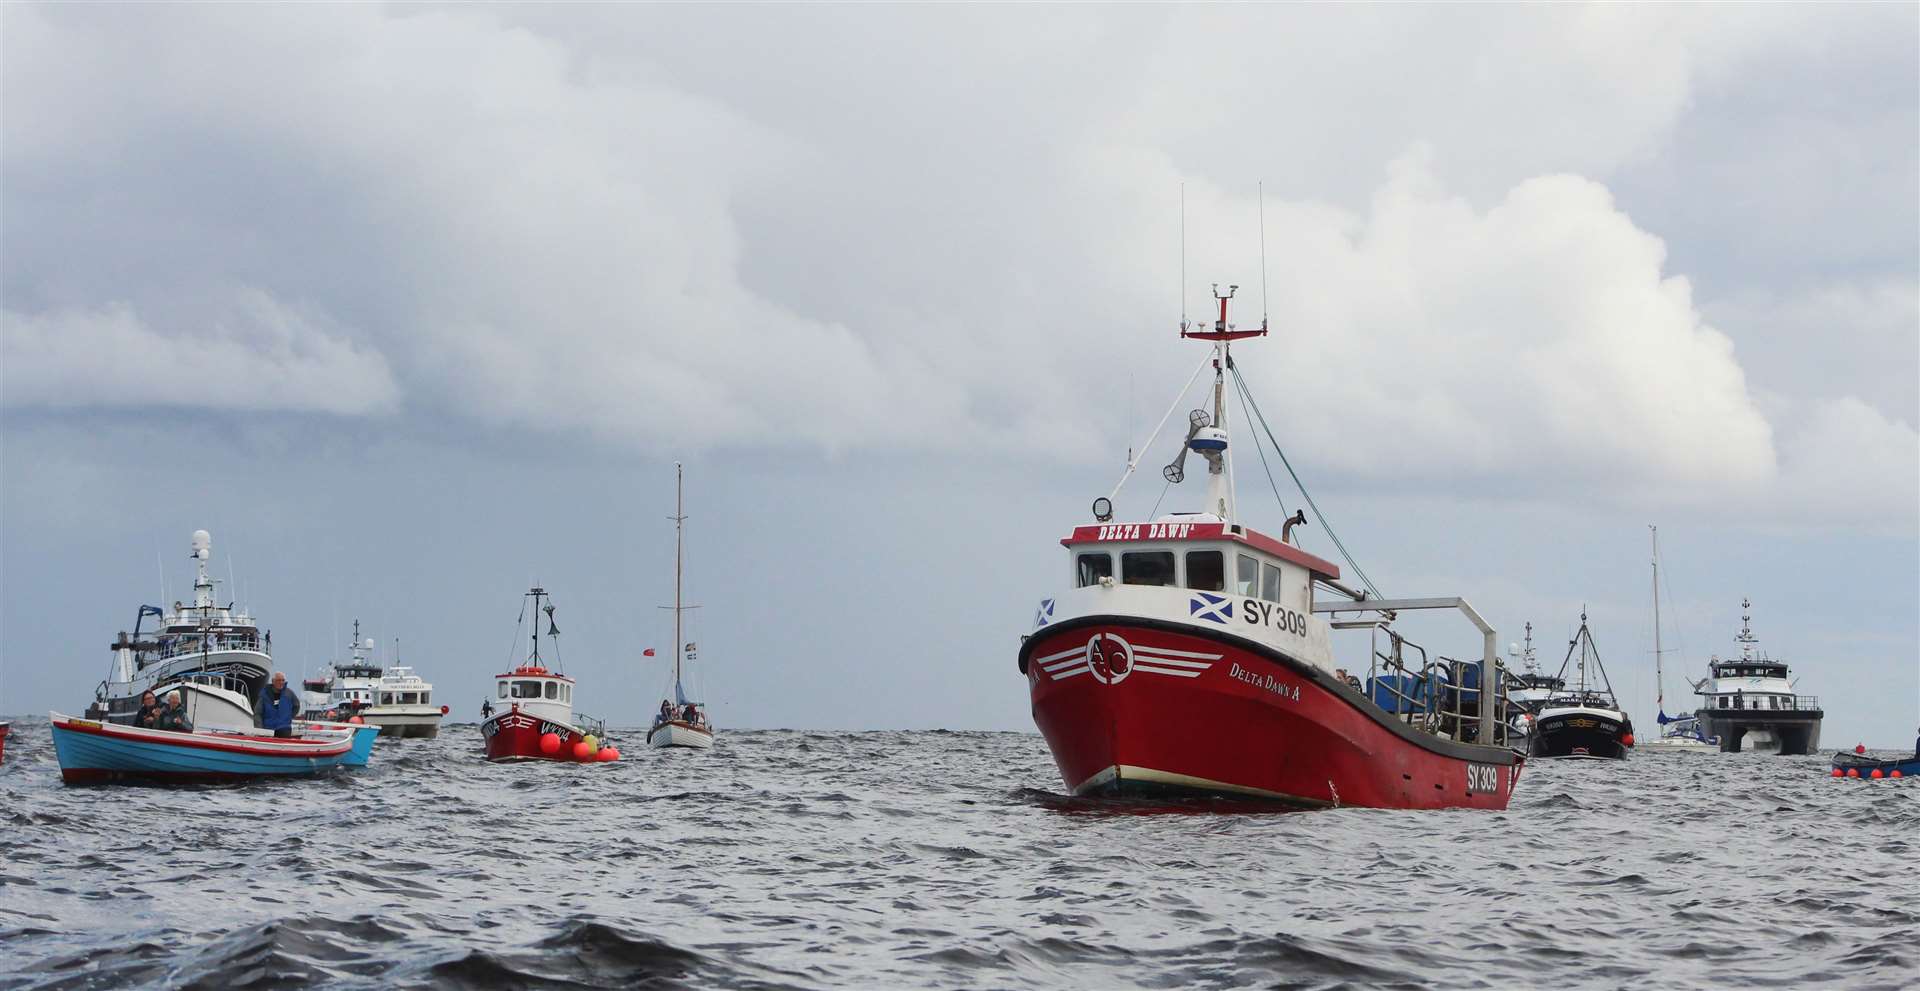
[
  {"x": 276, "y": 707},
  {"x": 173, "y": 715}
]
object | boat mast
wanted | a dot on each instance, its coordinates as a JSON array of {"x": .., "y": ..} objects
[
  {"x": 679, "y": 521},
  {"x": 1220, "y": 500},
  {"x": 1659, "y": 674},
  {"x": 536, "y": 593}
]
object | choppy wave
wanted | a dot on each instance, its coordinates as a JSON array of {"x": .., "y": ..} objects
[{"x": 819, "y": 860}]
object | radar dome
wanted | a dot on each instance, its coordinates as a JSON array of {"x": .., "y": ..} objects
[
  {"x": 202, "y": 543},
  {"x": 368, "y": 644}
]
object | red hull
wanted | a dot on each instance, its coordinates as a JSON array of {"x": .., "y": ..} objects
[
  {"x": 3, "y": 741},
  {"x": 513, "y": 735},
  {"x": 1135, "y": 708}
]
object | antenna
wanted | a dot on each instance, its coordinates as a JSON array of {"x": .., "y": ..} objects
[
  {"x": 1183, "y": 258},
  {"x": 1262, "y": 187}
]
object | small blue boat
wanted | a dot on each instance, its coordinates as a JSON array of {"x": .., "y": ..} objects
[
  {"x": 97, "y": 752},
  {"x": 1844, "y": 762}
]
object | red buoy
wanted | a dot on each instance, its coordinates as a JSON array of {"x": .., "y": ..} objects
[
  {"x": 1859, "y": 748},
  {"x": 1879, "y": 773},
  {"x": 444, "y": 710},
  {"x": 580, "y": 751},
  {"x": 1628, "y": 739},
  {"x": 549, "y": 743},
  {"x": 1895, "y": 774},
  {"x": 1853, "y": 772},
  {"x": 1839, "y": 773},
  {"x": 356, "y": 720},
  {"x": 608, "y": 753}
]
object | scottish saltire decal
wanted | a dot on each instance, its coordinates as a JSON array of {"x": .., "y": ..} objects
[
  {"x": 1044, "y": 614},
  {"x": 1217, "y": 608}
]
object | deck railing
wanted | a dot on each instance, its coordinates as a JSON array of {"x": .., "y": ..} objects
[{"x": 1440, "y": 700}]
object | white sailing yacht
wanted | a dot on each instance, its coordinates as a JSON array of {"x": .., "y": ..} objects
[
  {"x": 681, "y": 721},
  {"x": 1680, "y": 732}
]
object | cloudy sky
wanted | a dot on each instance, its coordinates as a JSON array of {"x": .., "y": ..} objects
[{"x": 412, "y": 306}]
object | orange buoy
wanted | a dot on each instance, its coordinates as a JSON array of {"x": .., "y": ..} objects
[
  {"x": 1839, "y": 773},
  {"x": 581, "y": 751},
  {"x": 1853, "y": 772},
  {"x": 1879, "y": 773},
  {"x": 356, "y": 720},
  {"x": 549, "y": 743},
  {"x": 608, "y": 754},
  {"x": 1859, "y": 748}
]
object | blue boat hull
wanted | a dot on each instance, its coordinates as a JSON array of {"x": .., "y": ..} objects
[
  {"x": 1907, "y": 766},
  {"x": 89, "y": 756},
  {"x": 363, "y": 737}
]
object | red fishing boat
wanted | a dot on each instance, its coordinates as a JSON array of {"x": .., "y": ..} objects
[
  {"x": 534, "y": 719},
  {"x": 1192, "y": 656},
  {"x": 4, "y": 726}
]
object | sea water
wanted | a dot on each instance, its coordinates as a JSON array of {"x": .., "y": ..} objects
[{"x": 824, "y": 860}]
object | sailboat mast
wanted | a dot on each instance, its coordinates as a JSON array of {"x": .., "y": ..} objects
[
  {"x": 679, "y": 520},
  {"x": 1659, "y": 672}
]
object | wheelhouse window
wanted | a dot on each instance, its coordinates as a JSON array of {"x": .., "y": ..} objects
[
  {"x": 1246, "y": 576},
  {"x": 1207, "y": 571},
  {"x": 1147, "y": 568},
  {"x": 1091, "y": 568},
  {"x": 526, "y": 689},
  {"x": 409, "y": 698},
  {"x": 553, "y": 690},
  {"x": 424, "y": 696},
  {"x": 386, "y": 698},
  {"x": 503, "y": 690},
  {"x": 566, "y": 693},
  {"x": 1270, "y": 582}
]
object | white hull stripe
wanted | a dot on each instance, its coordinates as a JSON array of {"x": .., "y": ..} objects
[
  {"x": 1070, "y": 672},
  {"x": 1176, "y": 672},
  {"x": 1063, "y": 665},
  {"x": 1169, "y": 652},
  {"x": 1079, "y": 651},
  {"x": 1145, "y": 658}
]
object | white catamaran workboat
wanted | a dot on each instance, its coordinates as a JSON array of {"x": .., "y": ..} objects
[
  {"x": 215, "y": 656},
  {"x": 681, "y": 722},
  {"x": 1749, "y": 702}
]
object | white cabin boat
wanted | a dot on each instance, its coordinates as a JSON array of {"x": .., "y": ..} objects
[
  {"x": 403, "y": 705},
  {"x": 215, "y": 656}
]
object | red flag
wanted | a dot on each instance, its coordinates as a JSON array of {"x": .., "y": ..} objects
[{"x": 648, "y": 652}]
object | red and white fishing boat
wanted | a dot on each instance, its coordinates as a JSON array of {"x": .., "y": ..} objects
[
  {"x": 534, "y": 718},
  {"x": 1192, "y": 656}
]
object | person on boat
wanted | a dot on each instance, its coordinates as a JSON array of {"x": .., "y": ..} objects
[
  {"x": 276, "y": 707},
  {"x": 486, "y": 708},
  {"x": 150, "y": 709},
  {"x": 173, "y": 716},
  {"x": 666, "y": 712}
]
